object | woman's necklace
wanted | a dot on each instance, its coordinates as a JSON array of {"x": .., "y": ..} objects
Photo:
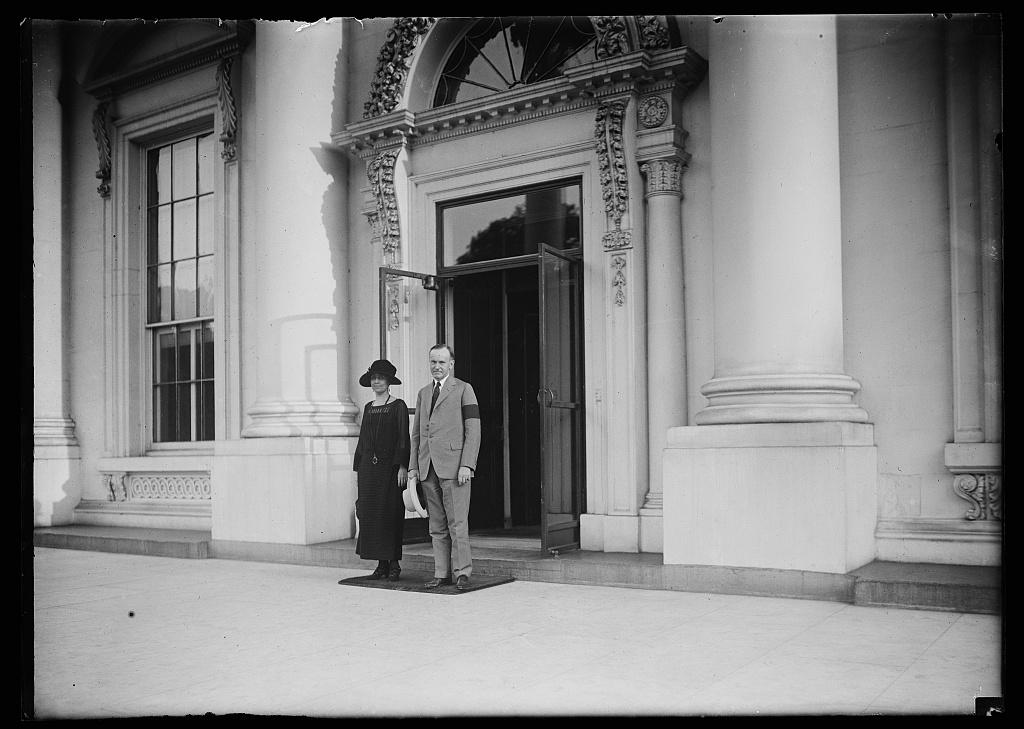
[{"x": 376, "y": 431}]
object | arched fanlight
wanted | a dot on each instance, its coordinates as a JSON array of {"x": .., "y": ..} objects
[{"x": 497, "y": 54}]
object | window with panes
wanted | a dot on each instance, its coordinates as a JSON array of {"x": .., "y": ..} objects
[{"x": 180, "y": 296}]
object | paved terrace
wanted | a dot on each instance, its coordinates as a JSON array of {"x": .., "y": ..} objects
[{"x": 128, "y": 635}]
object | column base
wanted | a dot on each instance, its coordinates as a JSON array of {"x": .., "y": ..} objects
[
  {"x": 796, "y": 496},
  {"x": 610, "y": 533},
  {"x": 301, "y": 418},
  {"x": 284, "y": 490},
  {"x": 781, "y": 399}
]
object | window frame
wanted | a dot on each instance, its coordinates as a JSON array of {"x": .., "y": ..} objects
[
  {"x": 128, "y": 345},
  {"x": 152, "y": 329}
]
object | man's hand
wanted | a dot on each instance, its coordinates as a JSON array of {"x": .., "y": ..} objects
[
  {"x": 465, "y": 473},
  {"x": 413, "y": 474}
]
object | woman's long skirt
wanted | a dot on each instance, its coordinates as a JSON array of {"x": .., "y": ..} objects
[{"x": 381, "y": 512}]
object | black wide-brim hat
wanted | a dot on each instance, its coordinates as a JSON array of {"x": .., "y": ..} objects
[{"x": 380, "y": 367}]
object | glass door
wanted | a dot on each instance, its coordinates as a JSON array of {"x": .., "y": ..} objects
[{"x": 560, "y": 397}]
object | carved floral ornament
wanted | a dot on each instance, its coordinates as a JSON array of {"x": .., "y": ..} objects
[
  {"x": 226, "y": 98},
  {"x": 381, "y": 173},
  {"x": 619, "y": 278},
  {"x": 611, "y": 164},
  {"x": 102, "y": 136},
  {"x": 393, "y": 64},
  {"x": 983, "y": 491}
]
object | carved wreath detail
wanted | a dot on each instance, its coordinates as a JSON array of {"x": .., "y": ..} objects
[
  {"x": 652, "y": 111},
  {"x": 381, "y": 172},
  {"x": 393, "y": 65}
]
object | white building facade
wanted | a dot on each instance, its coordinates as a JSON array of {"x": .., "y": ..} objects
[{"x": 728, "y": 289}]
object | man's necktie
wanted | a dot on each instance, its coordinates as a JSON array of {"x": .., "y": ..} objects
[{"x": 433, "y": 398}]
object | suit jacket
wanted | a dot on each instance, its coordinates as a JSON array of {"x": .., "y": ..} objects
[{"x": 450, "y": 436}]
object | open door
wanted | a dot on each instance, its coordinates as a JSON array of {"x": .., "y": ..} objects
[
  {"x": 411, "y": 319},
  {"x": 560, "y": 398}
]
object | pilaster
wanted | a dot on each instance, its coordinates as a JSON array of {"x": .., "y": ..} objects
[{"x": 56, "y": 486}]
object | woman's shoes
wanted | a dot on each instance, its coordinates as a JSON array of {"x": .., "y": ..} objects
[
  {"x": 394, "y": 571},
  {"x": 381, "y": 571}
]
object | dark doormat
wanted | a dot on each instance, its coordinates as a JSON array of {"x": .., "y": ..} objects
[{"x": 413, "y": 582}]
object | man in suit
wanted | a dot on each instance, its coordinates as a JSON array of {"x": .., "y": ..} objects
[{"x": 445, "y": 442}]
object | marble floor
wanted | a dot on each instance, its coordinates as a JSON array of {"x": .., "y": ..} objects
[{"x": 118, "y": 635}]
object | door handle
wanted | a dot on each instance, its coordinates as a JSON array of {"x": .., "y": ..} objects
[{"x": 550, "y": 393}]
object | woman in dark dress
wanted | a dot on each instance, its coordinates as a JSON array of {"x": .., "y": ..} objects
[{"x": 380, "y": 461}]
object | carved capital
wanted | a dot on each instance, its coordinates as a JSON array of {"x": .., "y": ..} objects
[
  {"x": 664, "y": 176},
  {"x": 229, "y": 115},
  {"x": 102, "y": 136},
  {"x": 381, "y": 172},
  {"x": 393, "y": 65},
  {"x": 983, "y": 491}
]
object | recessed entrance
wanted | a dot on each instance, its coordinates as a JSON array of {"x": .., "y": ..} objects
[{"x": 507, "y": 297}]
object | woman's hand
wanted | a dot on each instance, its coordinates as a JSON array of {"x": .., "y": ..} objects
[{"x": 402, "y": 474}]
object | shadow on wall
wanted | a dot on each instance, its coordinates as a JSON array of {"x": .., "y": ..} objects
[
  {"x": 332, "y": 211},
  {"x": 59, "y": 509}
]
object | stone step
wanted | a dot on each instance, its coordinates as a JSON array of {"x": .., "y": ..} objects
[
  {"x": 957, "y": 588},
  {"x": 180, "y": 543},
  {"x": 960, "y": 588}
]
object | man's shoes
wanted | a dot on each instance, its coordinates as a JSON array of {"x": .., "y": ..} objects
[
  {"x": 462, "y": 583},
  {"x": 437, "y": 582}
]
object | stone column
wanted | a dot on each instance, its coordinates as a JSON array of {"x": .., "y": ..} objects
[
  {"x": 56, "y": 454},
  {"x": 666, "y": 350},
  {"x": 781, "y": 470},
  {"x": 289, "y": 478},
  {"x": 301, "y": 340},
  {"x": 776, "y": 214}
]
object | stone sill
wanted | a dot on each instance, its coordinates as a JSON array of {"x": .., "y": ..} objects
[
  {"x": 168, "y": 507},
  {"x": 162, "y": 463}
]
